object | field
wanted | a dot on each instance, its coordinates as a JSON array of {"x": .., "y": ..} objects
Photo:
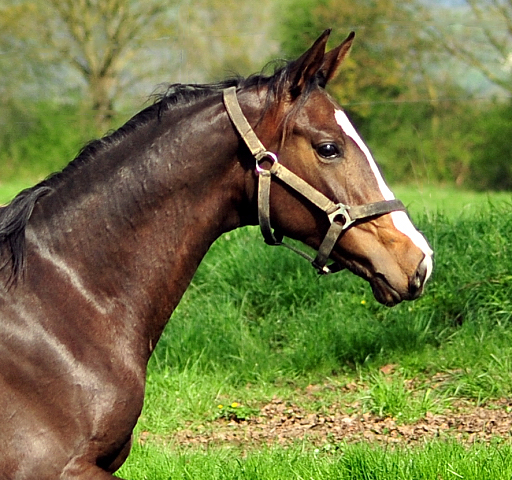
[{"x": 267, "y": 371}]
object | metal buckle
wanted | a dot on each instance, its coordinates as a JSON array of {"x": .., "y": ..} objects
[
  {"x": 343, "y": 212},
  {"x": 272, "y": 157}
]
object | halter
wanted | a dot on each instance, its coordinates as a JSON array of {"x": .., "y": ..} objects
[{"x": 341, "y": 217}]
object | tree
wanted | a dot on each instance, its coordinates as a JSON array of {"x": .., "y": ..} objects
[
  {"x": 478, "y": 35},
  {"x": 16, "y": 61},
  {"x": 396, "y": 84},
  {"x": 98, "y": 38},
  {"x": 379, "y": 67},
  {"x": 481, "y": 37},
  {"x": 111, "y": 45},
  {"x": 229, "y": 37},
  {"x": 491, "y": 166}
]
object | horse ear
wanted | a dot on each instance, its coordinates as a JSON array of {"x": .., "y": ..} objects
[
  {"x": 334, "y": 58},
  {"x": 307, "y": 65}
]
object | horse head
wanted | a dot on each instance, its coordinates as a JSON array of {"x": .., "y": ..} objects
[{"x": 315, "y": 160}]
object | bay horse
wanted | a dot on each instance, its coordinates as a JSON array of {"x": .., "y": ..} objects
[{"x": 95, "y": 258}]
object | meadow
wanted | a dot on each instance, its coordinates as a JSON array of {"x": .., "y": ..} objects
[{"x": 259, "y": 329}]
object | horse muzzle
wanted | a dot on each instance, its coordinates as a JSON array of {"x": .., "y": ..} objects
[{"x": 389, "y": 295}]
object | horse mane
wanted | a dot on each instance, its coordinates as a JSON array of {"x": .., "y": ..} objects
[
  {"x": 13, "y": 221},
  {"x": 15, "y": 216}
]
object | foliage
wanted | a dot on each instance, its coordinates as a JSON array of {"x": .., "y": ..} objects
[
  {"x": 376, "y": 69},
  {"x": 426, "y": 142},
  {"x": 395, "y": 85},
  {"x": 491, "y": 166},
  {"x": 15, "y": 71},
  {"x": 99, "y": 39},
  {"x": 389, "y": 397},
  {"x": 235, "y": 412},
  {"x": 401, "y": 98},
  {"x": 106, "y": 49},
  {"x": 480, "y": 35},
  {"x": 228, "y": 37},
  {"x": 36, "y": 139},
  {"x": 456, "y": 143},
  {"x": 67, "y": 46}
]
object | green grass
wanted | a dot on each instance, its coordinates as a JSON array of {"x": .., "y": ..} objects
[
  {"x": 433, "y": 461},
  {"x": 257, "y": 315},
  {"x": 448, "y": 201},
  {"x": 260, "y": 314}
]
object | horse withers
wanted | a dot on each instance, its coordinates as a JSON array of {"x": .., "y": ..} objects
[{"x": 95, "y": 258}]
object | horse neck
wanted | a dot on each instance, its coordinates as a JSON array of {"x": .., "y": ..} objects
[{"x": 134, "y": 233}]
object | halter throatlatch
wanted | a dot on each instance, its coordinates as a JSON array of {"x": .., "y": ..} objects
[{"x": 341, "y": 217}]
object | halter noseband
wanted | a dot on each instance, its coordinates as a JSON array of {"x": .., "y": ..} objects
[{"x": 341, "y": 217}]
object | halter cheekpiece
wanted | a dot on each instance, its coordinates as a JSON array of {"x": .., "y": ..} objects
[{"x": 341, "y": 217}]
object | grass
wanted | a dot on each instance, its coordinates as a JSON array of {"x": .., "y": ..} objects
[
  {"x": 446, "y": 200},
  {"x": 258, "y": 323},
  {"x": 259, "y": 314},
  {"x": 435, "y": 461}
]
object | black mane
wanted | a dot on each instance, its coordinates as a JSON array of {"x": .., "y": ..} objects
[
  {"x": 14, "y": 217},
  {"x": 13, "y": 220}
]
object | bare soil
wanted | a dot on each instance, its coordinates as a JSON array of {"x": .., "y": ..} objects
[{"x": 283, "y": 423}]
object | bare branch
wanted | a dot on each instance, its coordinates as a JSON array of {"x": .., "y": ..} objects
[{"x": 490, "y": 56}]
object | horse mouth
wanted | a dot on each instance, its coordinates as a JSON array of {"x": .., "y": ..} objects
[
  {"x": 382, "y": 290},
  {"x": 384, "y": 293}
]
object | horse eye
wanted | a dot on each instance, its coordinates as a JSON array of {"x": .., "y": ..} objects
[{"x": 329, "y": 151}]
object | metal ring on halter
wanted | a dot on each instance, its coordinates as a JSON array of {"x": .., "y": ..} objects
[
  {"x": 341, "y": 211},
  {"x": 265, "y": 156}
]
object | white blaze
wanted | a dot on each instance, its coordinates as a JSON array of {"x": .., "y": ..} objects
[{"x": 400, "y": 219}]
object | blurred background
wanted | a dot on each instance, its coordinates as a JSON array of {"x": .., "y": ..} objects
[{"x": 428, "y": 83}]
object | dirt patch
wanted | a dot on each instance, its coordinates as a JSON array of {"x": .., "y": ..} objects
[{"x": 283, "y": 423}]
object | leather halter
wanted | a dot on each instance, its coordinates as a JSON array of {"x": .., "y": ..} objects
[{"x": 341, "y": 217}]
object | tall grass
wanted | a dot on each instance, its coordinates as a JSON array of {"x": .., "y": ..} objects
[
  {"x": 257, "y": 313},
  {"x": 434, "y": 461},
  {"x": 259, "y": 316}
]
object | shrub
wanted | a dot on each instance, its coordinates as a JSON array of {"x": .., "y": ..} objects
[{"x": 491, "y": 166}]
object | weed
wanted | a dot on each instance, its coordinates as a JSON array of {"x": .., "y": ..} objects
[{"x": 235, "y": 412}]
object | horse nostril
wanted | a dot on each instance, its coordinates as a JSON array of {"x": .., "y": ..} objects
[{"x": 418, "y": 279}]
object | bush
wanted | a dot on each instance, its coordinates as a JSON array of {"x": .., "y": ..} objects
[
  {"x": 422, "y": 142},
  {"x": 39, "y": 138},
  {"x": 491, "y": 166}
]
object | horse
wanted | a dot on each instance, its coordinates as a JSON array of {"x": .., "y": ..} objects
[{"x": 95, "y": 258}]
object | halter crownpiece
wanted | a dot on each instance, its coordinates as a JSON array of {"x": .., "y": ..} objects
[{"x": 341, "y": 217}]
